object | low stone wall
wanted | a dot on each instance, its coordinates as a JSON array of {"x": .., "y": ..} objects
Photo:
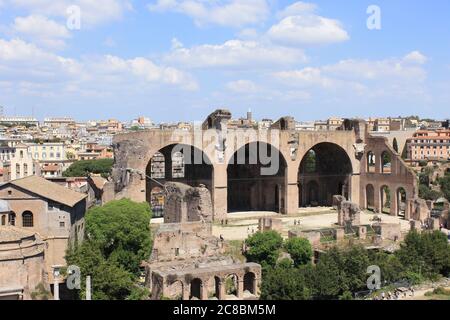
[
  {"x": 388, "y": 231},
  {"x": 269, "y": 224}
]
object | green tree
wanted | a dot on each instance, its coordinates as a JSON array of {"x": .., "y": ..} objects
[
  {"x": 83, "y": 168},
  {"x": 300, "y": 250},
  {"x": 264, "y": 248},
  {"x": 117, "y": 240},
  {"x": 328, "y": 276},
  {"x": 285, "y": 284},
  {"x": 122, "y": 231},
  {"x": 390, "y": 265},
  {"x": 427, "y": 193},
  {"x": 426, "y": 255}
]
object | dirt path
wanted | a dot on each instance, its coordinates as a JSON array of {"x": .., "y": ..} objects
[{"x": 241, "y": 225}]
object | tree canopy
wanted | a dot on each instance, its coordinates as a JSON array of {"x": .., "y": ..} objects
[
  {"x": 340, "y": 273},
  {"x": 264, "y": 248},
  {"x": 300, "y": 250},
  {"x": 83, "y": 168},
  {"x": 117, "y": 240}
]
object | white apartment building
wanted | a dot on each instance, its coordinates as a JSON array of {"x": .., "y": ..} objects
[
  {"x": 59, "y": 122},
  {"x": 20, "y": 120},
  {"x": 18, "y": 161},
  {"x": 48, "y": 151}
]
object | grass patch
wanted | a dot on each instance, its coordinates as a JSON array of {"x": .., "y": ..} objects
[{"x": 234, "y": 249}]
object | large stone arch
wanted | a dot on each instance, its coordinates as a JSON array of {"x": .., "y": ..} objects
[
  {"x": 256, "y": 178},
  {"x": 196, "y": 166},
  {"x": 332, "y": 171}
]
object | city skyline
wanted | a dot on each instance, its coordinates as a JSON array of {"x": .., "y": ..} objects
[{"x": 177, "y": 60}]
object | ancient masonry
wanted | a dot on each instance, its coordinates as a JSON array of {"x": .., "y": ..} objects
[
  {"x": 350, "y": 162},
  {"x": 187, "y": 261}
]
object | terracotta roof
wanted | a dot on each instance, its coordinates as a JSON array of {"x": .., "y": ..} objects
[
  {"x": 99, "y": 182},
  {"x": 49, "y": 190}
]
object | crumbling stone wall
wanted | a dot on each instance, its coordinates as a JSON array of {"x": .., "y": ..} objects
[
  {"x": 388, "y": 231},
  {"x": 268, "y": 224},
  {"x": 349, "y": 213},
  {"x": 419, "y": 210},
  {"x": 184, "y": 203},
  {"x": 199, "y": 206}
]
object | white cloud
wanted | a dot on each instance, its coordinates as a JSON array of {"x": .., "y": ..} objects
[
  {"x": 41, "y": 30},
  {"x": 297, "y": 8},
  {"x": 22, "y": 62},
  {"x": 92, "y": 12},
  {"x": 242, "y": 86},
  {"x": 307, "y": 29},
  {"x": 306, "y": 77},
  {"x": 395, "y": 77},
  {"x": 248, "y": 34},
  {"x": 377, "y": 70},
  {"x": 234, "y": 13},
  {"x": 235, "y": 53},
  {"x": 415, "y": 57}
]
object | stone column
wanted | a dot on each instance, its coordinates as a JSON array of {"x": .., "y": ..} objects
[
  {"x": 394, "y": 202},
  {"x": 378, "y": 163},
  {"x": 186, "y": 291},
  {"x": 408, "y": 209},
  {"x": 377, "y": 198},
  {"x": 203, "y": 290},
  {"x": 291, "y": 190},
  {"x": 240, "y": 288},
  {"x": 222, "y": 292},
  {"x": 354, "y": 190},
  {"x": 220, "y": 192}
]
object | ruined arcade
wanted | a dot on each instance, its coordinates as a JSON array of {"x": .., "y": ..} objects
[{"x": 279, "y": 169}]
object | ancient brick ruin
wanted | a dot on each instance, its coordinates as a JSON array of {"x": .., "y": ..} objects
[{"x": 187, "y": 261}]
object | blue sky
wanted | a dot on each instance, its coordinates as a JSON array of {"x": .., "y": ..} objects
[{"x": 180, "y": 59}]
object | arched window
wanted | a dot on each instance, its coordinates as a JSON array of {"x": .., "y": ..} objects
[
  {"x": 177, "y": 165},
  {"x": 371, "y": 162},
  {"x": 401, "y": 201},
  {"x": 27, "y": 219},
  {"x": 310, "y": 162},
  {"x": 18, "y": 170},
  {"x": 25, "y": 170},
  {"x": 12, "y": 219},
  {"x": 158, "y": 166},
  {"x": 386, "y": 165}
]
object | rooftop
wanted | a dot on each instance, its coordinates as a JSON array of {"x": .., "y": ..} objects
[{"x": 49, "y": 190}]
